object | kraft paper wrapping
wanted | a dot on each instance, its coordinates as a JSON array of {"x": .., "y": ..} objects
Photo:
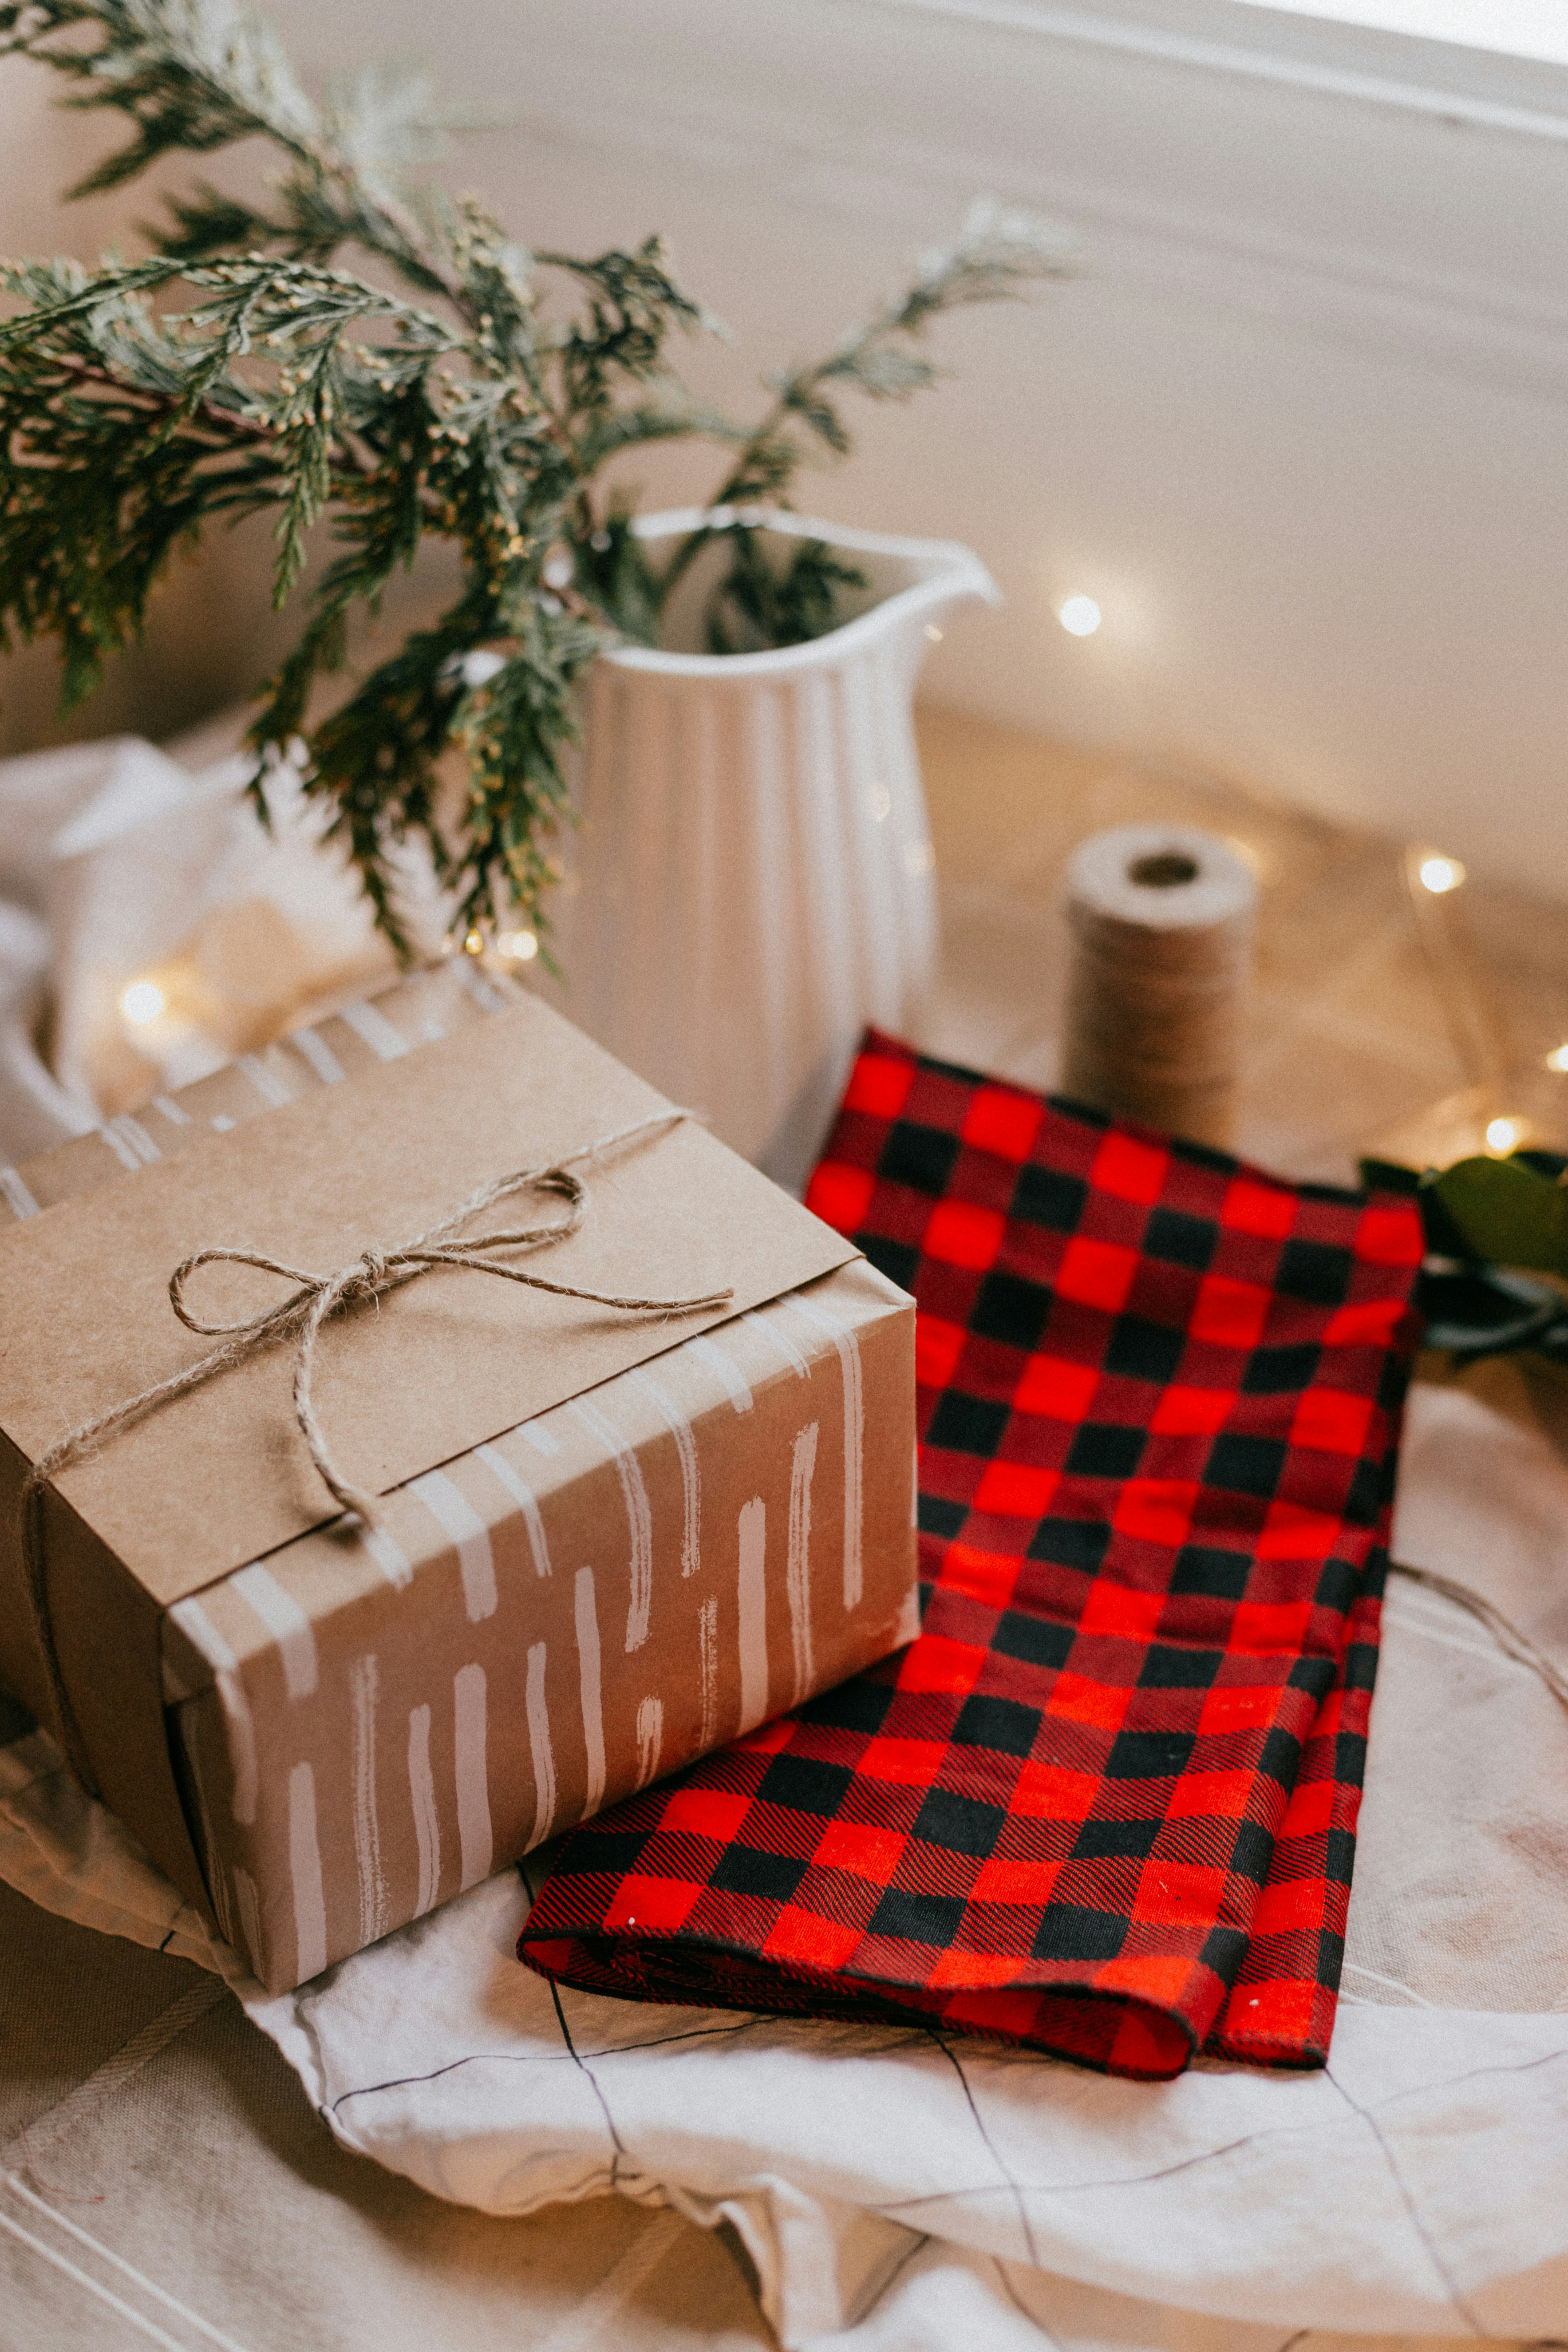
[
  {"x": 547, "y": 1623},
  {"x": 605, "y": 1545}
]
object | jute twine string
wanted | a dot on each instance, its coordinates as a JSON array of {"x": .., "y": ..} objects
[
  {"x": 1161, "y": 918},
  {"x": 367, "y": 1279}
]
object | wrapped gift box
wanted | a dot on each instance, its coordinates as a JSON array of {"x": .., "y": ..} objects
[{"x": 606, "y": 1542}]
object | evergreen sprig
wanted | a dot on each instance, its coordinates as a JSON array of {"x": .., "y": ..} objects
[{"x": 239, "y": 369}]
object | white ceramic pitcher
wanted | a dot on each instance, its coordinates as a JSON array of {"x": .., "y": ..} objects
[{"x": 751, "y": 881}]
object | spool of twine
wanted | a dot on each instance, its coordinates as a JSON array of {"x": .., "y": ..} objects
[{"x": 1162, "y": 919}]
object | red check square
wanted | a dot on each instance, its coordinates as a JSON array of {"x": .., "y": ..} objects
[
  {"x": 880, "y": 1083},
  {"x": 1267, "y": 1210},
  {"x": 1331, "y": 1421},
  {"x": 809, "y": 1940},
  {"x": 1001, "y": 1121},
  {"x": 933, "y": 1663},
  {"x": 938, "y": 1347},
  {"x": 1391, "y": 1235},
  {"x": 1229, "y": 1313},
  {"x": 961, "y": 1234},
  {"x": 1191, "y": 1413},
  {"x": 1156, "y": 1510},
  {"x": 840, "y": 1196},
  {"x": 1055, "y": 1389},
  {"x": 1097, "y": 1274},
  {"x": 1129, "y": 1168},
  {"x": 1014, "y": 1491},
  {"x": 652, "y": 1903}
]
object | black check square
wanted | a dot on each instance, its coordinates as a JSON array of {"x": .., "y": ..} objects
[
  {"x": 1071, "y": 1543},
  {"x": 967, "y": 1424},
  {"x": 1049, "y": 1196},
  {"x": 1011, "y": 1310},
  {"x": 963, "y": 1824},
  {"x": 1141, "y": 1350},
  {"x": 1105, "y": 1449},
  {"x": 920, "y": 1157},
  {"x": 1247, "y": 1466},
  {"x": 1180, "y": 1239},
  {"x": 748, "y": 1870},
  {"x": 1314, "y": 1271},
  {"x": 806, "y": 1784},
  {"x": 1037, "y": 1641}
]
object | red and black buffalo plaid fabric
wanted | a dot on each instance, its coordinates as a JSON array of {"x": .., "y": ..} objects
[{"x": 1105, "y": 1805}]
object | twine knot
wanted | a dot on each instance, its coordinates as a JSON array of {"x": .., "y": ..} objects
[{"x": 312, "y": 1299}]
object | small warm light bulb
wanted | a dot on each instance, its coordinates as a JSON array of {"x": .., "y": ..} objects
[
  {"x": 473, "y": 944},
  {"x": 142, "y": 1001},
  {"x": 1558, "y": 1058},
  {"x": 520, "y": 946},
  {"x": 1440, "y": 874},
  {"x": 1080, "y": 616},
  {"x": 1502, "y": 1134}
]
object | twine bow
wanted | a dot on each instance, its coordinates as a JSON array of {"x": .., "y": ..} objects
[{"x": 365, "y": 1279}]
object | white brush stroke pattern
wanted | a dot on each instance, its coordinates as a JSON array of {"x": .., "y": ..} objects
[
  {"x": 21, "y": 1201},
  {"x": 319, "y": 1054},
  {"x": 639, "y": 1517},
  {"x": 650, "y": 1739},
  {"x": 781, "y": 1343},
  {"x": 540, "y": 1750},
  {"x": 372, "y": 1893},
  {"x": 522, "y": 1494},
  {"x": 464, "y": 1528},
  {"x": 848, "y": 1348},
  {"x": 389, "y": 1557},
  {"x": 265, "y": 1082},
  {"x": 476, "y": 1838},
  {"x": 591, "y": 1689},
  {"x": 373, "y": 1029},
  {"x": 728, "y": 1369},
  {"x": 680, "y": 1428},
  {"x": 803, "y": 1462},
  {"x": 286, "y": 1621},
  {"x": 752, "y": 1596},
  {"x": 427, "y": 1819}
]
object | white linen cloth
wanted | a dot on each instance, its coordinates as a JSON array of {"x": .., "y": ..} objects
[
  {"x": 119, "y": 863},
  {"x": 899, "y": 2191}
]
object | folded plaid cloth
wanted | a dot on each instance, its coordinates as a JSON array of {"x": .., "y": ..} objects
[{"x": 1105, "y": 1804}]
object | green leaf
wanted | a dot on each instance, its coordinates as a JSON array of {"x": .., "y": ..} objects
[{"x": 1504, "y": 1213}]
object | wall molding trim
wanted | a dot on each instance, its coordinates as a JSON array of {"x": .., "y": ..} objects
[{"x": 1263, "y": 62}]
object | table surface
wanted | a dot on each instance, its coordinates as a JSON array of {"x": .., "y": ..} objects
[{"x": 191, "y": 2195}]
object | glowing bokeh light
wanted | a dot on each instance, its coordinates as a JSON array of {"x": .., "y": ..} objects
[
  {"x": 1080, "y": 616},
  {"x": 143, "y": 1001},
  {"x": 1440, "y": 874},
  {"x": 1502, "y": 1134}
]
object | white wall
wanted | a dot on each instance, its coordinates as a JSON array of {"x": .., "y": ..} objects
[{"x": 1301, "y": 427}]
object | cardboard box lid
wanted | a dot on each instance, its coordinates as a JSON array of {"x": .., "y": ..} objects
[{"x": 220, "y": 1476}]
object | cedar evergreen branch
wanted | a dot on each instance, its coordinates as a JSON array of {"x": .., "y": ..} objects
[{"x": 241, "y": 369}]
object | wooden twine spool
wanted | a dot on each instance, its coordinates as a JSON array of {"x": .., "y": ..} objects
[{"x": 1162, "y": 920}]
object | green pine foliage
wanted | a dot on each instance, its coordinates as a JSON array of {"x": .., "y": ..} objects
[{"x": 474, "y": 392}]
